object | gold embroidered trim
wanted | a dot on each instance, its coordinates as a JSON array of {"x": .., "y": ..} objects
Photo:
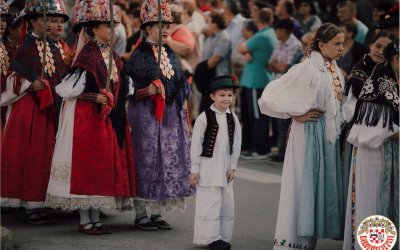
[
  {"x": 4, "y": 59},
  {"x": 105, "y": 52},
  {"x": 337, "y": 88},
  {"x": 49, "y": 67},
  {"x": 59, "y": 46},
  {"x": 165, "y": 65}
]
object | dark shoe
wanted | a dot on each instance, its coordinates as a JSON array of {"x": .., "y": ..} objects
[
  {"x": 103, "y": 229},
  {"x": 219, "y": 245},
  {"x": 161, "y": 224},
  {"x": 92, "y": 230},
  {"x": 7, "y": 210},
  {"x": 276, "y": 158},
  {"x": 149, "y": 225},
  {"x": 103, "y": 215},
  {"x": 47, "y": 218},
  {"x": 35, "y": 219}
]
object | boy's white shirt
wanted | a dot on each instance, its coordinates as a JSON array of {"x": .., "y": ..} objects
[{"x": 212, "y": 171}]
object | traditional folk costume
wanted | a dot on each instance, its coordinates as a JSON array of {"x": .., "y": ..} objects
[
  {"x": 92, "y": 166},
  {"x": 7, "y": 50},
  {"x": 29, "y": 136},
  {"x": 311, "y": 200},
  {"x": 215, "y": 149},
  {"x": 4, "y": 59},
  {"x": 373, "y": 181},
  {"x": 160, "y": 134},
  {"x": 357, "y": 77}
]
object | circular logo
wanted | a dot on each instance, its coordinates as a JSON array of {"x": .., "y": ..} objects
[{"x": 376, "y": 232}]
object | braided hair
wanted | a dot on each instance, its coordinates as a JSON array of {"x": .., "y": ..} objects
[{"x": 324, "y": 34}]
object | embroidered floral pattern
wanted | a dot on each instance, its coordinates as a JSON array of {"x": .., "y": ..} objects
[
  {"x": 284, "y": 243},
  {"x": 164, "y": 206},
  {"x": 49, "y": 67},
  {"x": 75, "y": 203},
  {"x": 91, "y": 10},
  {"x": 149, "y": 11},
  {"x": 386, "y": 86},
  {"x": 61, "y": 172},
  {"x": 359, "y": 74},
  {"x": 368, "y": 87}
]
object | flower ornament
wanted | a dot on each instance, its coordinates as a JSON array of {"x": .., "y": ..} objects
[
  {"x": 368, "y": 87},
  {"x": 51, "y": 7},
  {"x": 91, "y": 10},
  {"x": 388, "y": 95},
  {"x": 149, "y": 12}
]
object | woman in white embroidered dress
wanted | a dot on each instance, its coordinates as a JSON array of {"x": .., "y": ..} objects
[
  {"x": 374, "y": 173},
  {"x": 311, "y": 201}
]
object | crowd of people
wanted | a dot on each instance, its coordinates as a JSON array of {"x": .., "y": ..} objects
[{"x": 125, "y": 112}]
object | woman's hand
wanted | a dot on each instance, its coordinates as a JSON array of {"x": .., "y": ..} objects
[
  {"x": 230, "y": 175},
  {"x": 311, "y": 115},
  {"x": 194, "y": 179},
  {"x": 100, "y": 98},
  {"x": 154, "y": 90},
  {"x": 394, "y": 137},
  {"x": 38, "y": 85}
]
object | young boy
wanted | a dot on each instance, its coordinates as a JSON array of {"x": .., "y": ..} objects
[{"x": 215, "y": 150}]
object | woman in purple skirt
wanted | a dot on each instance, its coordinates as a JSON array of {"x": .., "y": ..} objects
[{"x": 157, "y": 115}]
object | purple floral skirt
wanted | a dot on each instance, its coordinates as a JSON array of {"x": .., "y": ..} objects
[{"x": 161, "y": 152}]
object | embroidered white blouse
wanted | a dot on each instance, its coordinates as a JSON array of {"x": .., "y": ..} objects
[
  {"x": 307, "y": 85},
  {"x": 213, "y": 170}
]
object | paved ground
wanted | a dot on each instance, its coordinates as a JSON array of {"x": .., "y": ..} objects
[{"x": 257, "y": 189}]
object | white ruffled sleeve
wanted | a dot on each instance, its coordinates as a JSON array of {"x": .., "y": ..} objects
[
  {"x": 370, "y": 136},
  {"x": 292, "y": 94},
  {"x": 8, "y": 97},
  {"x": 72, "y": 85}
]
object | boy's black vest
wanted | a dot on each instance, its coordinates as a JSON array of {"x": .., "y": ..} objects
[{"x": 211, "y": 132}]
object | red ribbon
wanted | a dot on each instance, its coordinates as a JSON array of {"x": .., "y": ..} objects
[
  {"x": 159, "y": 101},
  {"x": 106, "y": 108},
  {"x": 45, "y": 95}
]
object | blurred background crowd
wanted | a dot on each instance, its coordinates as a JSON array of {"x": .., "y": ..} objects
[{"x": 256, "y": 41}]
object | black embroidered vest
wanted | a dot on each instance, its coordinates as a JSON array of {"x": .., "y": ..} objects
[{"x": 211, "y": 132}]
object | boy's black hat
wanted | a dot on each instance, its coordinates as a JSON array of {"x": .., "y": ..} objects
[{"x": 223, "y": 81}]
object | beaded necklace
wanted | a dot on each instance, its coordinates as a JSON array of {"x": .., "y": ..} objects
[
  {"x": 337, "y": 88},
  {"x": 165, "y": 65},
  {"x": 105, "y": 52}
]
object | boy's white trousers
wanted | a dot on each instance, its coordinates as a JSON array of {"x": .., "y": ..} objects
[{"x": 214, "y": 214}]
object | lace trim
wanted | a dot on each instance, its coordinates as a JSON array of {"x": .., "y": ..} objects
[
  {"x": 74, "y": 203},
  {"x": 165, "y": 206},
  {"x": 61, "y": 172}
]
